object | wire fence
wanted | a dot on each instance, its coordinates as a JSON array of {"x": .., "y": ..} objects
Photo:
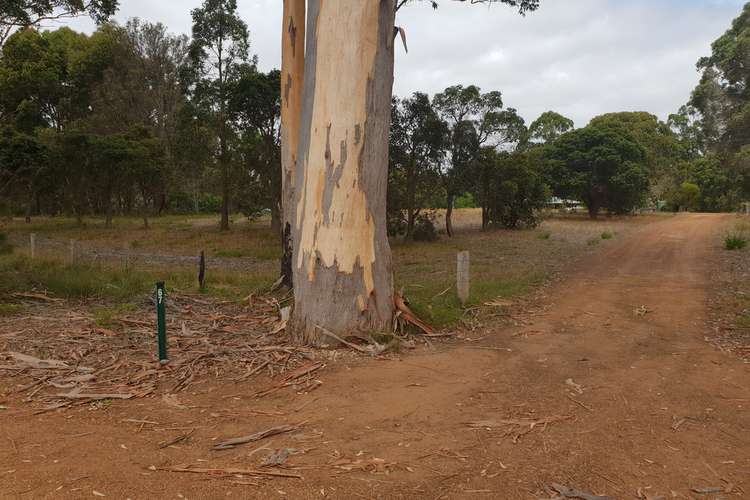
[{"x": 40, "y": 246}]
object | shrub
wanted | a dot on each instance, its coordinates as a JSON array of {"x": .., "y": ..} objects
[
  {"x": 466, "y": 200},
  {"x": 735, "y": 242},
  {"x": 5, "y": 246},
  {"x": 606, "y": 235},
  {"x": 424, "y": 229}
]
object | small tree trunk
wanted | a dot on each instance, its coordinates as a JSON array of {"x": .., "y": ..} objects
[
  {"x": 108, "y": 214},
  {"x": 449, "y": 216},
  {"x": 593, "y": 211},
  {"x": 27, "y": 217},
  {"x": 292, "y": 82},
  {"x": 485, "y": 218},
  {"x": 224, "y": 225},
  {"x": 342, "y": 261},
  {"x": 409, "y": 224}
]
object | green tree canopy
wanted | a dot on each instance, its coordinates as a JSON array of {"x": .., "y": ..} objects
[
  {"x": 19, "y": 14},
  {"x": 601, "y": 165},
  {"x": 418, "y": 143},
  {"x": 548, "y": 127}
]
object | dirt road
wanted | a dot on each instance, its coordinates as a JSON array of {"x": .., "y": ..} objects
[{"x": 612, "y": 390}]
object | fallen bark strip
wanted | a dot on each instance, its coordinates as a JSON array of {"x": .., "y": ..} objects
[
  {"x": 39, "y": 364},
  {"x": 178, "y": 439},
  {"x": 232, "y": 472},
  {"x": 94, "y": 397},
  {"x": 38, "y": 296},
  {"x": 290, "y": 378},
  {"x": 566, "y": 492},
  {"x": 408, "y": 315},
  {"x": 274, "y": 431}
]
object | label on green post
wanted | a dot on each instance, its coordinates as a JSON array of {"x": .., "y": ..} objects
[{"x": 161, "y": 321}]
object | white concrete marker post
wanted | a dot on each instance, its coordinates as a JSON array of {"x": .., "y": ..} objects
[
  {"x": 462, "y": 277},
  {"x": 32, "y": 244}
]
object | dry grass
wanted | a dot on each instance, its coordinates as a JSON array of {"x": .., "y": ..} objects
[
  {"x": 504, "y": 264},
  {"x": 167, "y": 235}
]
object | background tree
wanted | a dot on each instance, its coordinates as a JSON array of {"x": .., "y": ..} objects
[
  {"x": 24, "y": 161},
  {"x": 19, "y": 14},
  {"x": 219, "y": 47},
  {"x": 548, "y": 127},
  {"x": 717, "y": 119},
  {"x": 476, "y": 120},
  {"x": 517, "y": 189},
  {"x": 508, "y": 133},
  {"x": 601, "y": 165},
  {"x": 256, "y": 107},
  {"x": 419, "y": 139}
]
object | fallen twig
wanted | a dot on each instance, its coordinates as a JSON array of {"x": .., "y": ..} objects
[
  {"x": 176, "y": 440},
  {"x": 274, "y": 431},
  {"x": 373, "y": 350},
  {"x": 233, "y": 472}
]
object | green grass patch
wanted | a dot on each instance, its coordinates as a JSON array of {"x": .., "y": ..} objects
[
  {"x": 735, "y": 241},
  {"x": 117, "y": 285},
  {"x": 266, "y": 252},
  {"x": 544, "y": 235},
  {"x": 9, "y": 309},
  {"x": 105, "y": 316},
  {"x": 73, "y": 282},
  {"x": 230, "y": 253},
  {"x": 437, "y": 302},
  {"x": 607, "y": 235},
  {"x": 5, "y": 246},
  {"x": 592, "y": 242}
]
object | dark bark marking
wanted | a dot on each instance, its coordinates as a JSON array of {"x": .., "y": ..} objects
[
  {"x": 287, "y": 89},
  {"x": 332, "y": 175},
  {"x": 293, "y": 35}
]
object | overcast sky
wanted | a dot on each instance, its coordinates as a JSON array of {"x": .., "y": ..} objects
[{"x": 580, "y": 58}]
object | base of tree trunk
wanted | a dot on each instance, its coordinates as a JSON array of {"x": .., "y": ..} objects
[{"x": 309, "y": 328}]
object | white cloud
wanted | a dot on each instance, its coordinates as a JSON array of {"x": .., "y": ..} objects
[{"x": 577, "y": 57}]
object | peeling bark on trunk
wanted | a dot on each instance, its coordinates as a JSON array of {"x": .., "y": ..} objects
[
  {"x": 342, "y": 262},
  {"x": 292, "y": 81}
]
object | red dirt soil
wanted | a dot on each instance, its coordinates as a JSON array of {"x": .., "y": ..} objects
[{"x": 628, "y": 400}]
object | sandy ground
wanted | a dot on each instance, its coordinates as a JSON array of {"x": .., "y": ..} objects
[{"x": 611, "y": 390}]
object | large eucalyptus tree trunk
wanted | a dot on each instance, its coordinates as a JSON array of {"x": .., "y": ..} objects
[
  {"x": 292, "y": 80},
  {"x": 342, "y": 262}
]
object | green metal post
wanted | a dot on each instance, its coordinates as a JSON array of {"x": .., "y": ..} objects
[{"x": 161, "y": 321}]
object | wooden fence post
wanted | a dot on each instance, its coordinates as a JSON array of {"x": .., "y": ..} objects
[
  {"x": 202, "y": 271},
  {"x": 32, "y": 243},
  {"x": 462, "y": 277}
]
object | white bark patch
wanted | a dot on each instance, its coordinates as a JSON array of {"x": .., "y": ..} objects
[{"x": 339, "y": 115}]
